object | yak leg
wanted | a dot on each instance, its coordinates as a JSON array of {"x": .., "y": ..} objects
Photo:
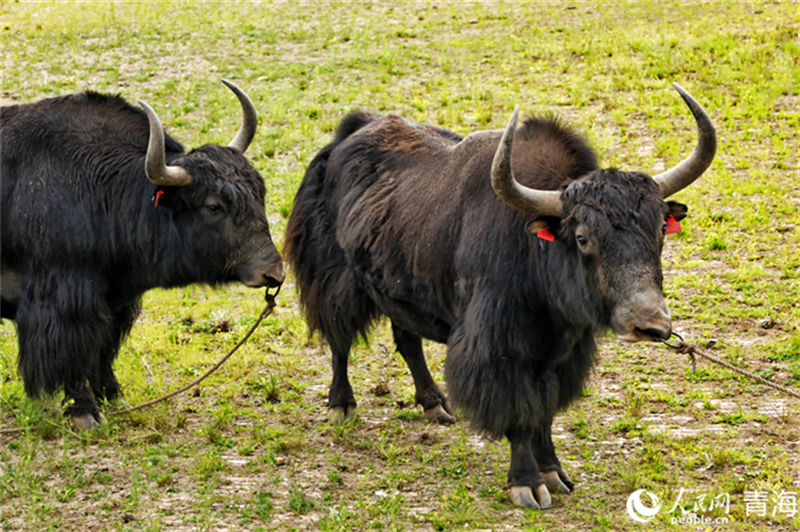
[
  {"x": 61, "y": 326},
  {"x": 108, "y": 386},
  {"x": 102, "y": 381},
  {"x": 435, "y": 404},
  {"x": 345, "y": 310},
  {"x": 341, "y": 401},
  {"x": 83, "y": 410},
  {"x": 527, "y": 486},
  {"x": 555, "y": 478},
  {"x": 105, "y": 385}
]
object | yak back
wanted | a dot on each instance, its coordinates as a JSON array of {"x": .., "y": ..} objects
[
  {"x": 411, "y": 211},
  {"x": 74, "y": 187},
  {"x": 92, "y": 129},
  {"x": 77, "y": 159}
]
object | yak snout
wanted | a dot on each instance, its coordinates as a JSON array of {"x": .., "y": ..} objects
[
  {"x": 264, "y": 269},
  {"x": 269, "y": 276},
  {"x": 644, "y": 317},
  {"x": 274, "y": 275}
]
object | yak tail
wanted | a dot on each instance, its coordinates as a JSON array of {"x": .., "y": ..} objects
[
  {"x": 349, "y": 125},
  {"x": 326, "y": 286}
]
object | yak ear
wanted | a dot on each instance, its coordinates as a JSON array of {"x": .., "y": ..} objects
[
  {"x": 677, "y": 210},
  {"x": 537, "y": 225},
  {"x": 541, "y": 223}
]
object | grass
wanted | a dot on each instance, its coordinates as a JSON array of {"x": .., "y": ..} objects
[{"x": 250, "y": 449}]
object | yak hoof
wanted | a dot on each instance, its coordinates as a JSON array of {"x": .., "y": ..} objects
[
  {"x": 543, "y": 495},
  {"x": 438, "y": 414},
  {"x": 552, "y": 479},
  {"x": 340, "y": 414},
  {"x": 523, "y": 496},
  {"x": 88, "y": 421}
]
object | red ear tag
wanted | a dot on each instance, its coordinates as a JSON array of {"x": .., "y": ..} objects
[
  {"x": 673, "y": 225},
  {"x": 545, "y": 234},
  {"x": 158, "y": 195}
]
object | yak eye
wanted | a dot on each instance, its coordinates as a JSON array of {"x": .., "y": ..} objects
[
  {"x": 664, "y": 228},
  {"x": 213, "y": 206},
  {"x": 582, "y": 240}
]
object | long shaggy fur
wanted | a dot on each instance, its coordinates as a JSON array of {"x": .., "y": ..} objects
[
  {"x": 80, "y": 229},
  {"x": 519, "y": 328},
  {"x": 332, "y": 298}
]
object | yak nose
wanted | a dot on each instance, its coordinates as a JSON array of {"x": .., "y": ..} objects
[
  {"x": 643, "y": 317},
  {"x": 654, "y": 323},
  {"x": 274, "y": 275},
  {"x": 656, "y": 333}
]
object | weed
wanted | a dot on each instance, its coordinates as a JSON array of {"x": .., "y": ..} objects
[
  {"x": 298, "y": 502},
  {"x": 209, "y": 464},
  {"x": 338, "y": 519},
  {"x": 580, "y": 428},
  {"x": 269, "y": 386},
  {"x": 456, "y": 509},
  {"x": 409, "y": 415},
  {"x": 261, "y": 505},
  {"x": 334, "y": 477}
]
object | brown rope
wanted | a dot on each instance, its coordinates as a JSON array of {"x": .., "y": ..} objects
[
  {"x": 266, "y": 312},
  {"x": 691, "y": 350}
]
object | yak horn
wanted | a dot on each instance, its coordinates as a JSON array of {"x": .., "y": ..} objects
[
  {"x": 682, "y": 175},
  {"x": 155, "y": 166},
  {"x": 540, "y": 202},
  {"x": 250, "y": 122}
]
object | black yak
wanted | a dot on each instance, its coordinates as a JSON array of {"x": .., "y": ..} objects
[
  {"x": 515, "y": 257},
  {"x": 98, "y": 206}
]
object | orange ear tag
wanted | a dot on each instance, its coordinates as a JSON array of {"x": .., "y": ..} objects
[
  {"x": 673, "y": 225},
  {"x": 545, "y": 234}
]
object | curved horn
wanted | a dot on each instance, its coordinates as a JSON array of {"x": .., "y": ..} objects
[
  {"x": 541, "y": 202},
  {"x": 682, "y": 175},
  {"x": 250, "y": 122},
  {"x": 155, "y": 166}
]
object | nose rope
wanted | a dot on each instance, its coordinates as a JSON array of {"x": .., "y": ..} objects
[
  {"x": 692, "y": 351},
  {"x": 671, "y": 334},
  {"x": 270, "y": 299}
]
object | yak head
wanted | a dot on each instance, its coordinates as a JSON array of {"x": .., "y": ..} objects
[
  {"x": 215, "y": 201},
  {"x": 614, "y": 222}
]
